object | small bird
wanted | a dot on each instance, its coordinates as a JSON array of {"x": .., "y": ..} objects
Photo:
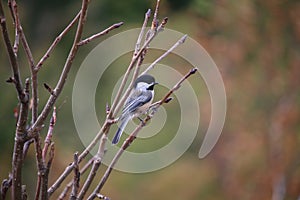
[{"x": 137, "y": 103}]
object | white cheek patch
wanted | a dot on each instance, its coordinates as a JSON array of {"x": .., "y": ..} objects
[{"x": 142, "y": 85}]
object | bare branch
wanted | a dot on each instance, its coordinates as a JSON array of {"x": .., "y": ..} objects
[
  {"x": 56, "y": 41},
  {"x": 62, "y": 177},
  {"x": 142, "y": 32},
  {"x": 106, "y": 31},
  {"x": 114, "y": 161},
  {"x": 76, "y": 179},
  {"x": 46, "y": 173},
  {"x": 177, "y": 86},
  {"x": 141, "y": 35},
  {"x": 20, "y": 137},
  {"x": 40, "y": 166},
  {"x": 69, "y": 185},
  {"x": 17, "y": 36},
  {"x": 12, "y": 56},
  {"x": 155, "y": 20},
  {"x": 20, "y": 33},
  {"x": 180, "y": 41},
  {"x": 96, "y": 165},
  {"x": 49, "y": 134},
  {"x": 70, "y": 167}
]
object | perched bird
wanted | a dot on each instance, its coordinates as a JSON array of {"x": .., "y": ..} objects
[{"x": 137, "y": 102}]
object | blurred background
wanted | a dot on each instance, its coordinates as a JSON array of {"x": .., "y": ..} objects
[{"x": 255, "y": 44}]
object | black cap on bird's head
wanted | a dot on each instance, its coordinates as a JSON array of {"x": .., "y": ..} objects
[{"x": 145, "y": 78}]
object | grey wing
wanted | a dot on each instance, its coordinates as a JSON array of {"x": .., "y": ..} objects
[{"x": 135, "y": 100}]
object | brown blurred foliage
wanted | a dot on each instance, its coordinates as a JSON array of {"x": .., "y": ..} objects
[{"x": 256, "y": 46}]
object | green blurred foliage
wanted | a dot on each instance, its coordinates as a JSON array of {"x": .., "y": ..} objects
[{"x": 256, "y": 45}]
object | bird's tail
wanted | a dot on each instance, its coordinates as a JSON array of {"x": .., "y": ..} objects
[{"x": 120, "y": 131}]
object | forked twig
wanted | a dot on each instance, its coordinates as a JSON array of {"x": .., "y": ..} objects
[
  {"x": 180, "y": 41},
  {"x": 104, "y": 32},
  {"x": 69, "y": 185},
  {"x": 97, "y": 161},
  {"x": 56, "y": 41}
]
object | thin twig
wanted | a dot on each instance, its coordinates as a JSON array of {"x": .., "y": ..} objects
[
  {"x": 20, "y": 33},
  {"x": 41, "y": 182},
  {"x": 142, "y": 32},
  {"x": 141, "y": 35},
  {"x": 49, "y": 134},
  {"x": 62, "y": 177},
  {"x": 46, "y": 173},
  {"x": 69, "y": 185},
  {"x": 70, "y": 167},
  {"x": 155, "y": 20},
  {"x": 133, "y": 135},
  {"x": 95, "y": 36},
  {"x": 177, "y": 86},
  {"x": 12, "y": 57},
  {"x": 56, "y": 41},
  {"x": 96, "y": 165},
  {"x": 180, "y": 41},
  {"x": 113, "y": 162},
  {"x": 17, "y": 35},
  {"x": 76, "y": 179}
]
